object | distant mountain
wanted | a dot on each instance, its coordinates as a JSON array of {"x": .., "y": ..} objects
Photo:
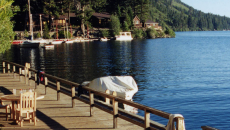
[{"x": 182, "y": 17}]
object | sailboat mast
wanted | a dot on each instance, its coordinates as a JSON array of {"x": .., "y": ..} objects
[{"x": 30, "y": 21}]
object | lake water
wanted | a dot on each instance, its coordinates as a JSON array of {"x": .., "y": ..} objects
[{"x": 188, "y": 75}]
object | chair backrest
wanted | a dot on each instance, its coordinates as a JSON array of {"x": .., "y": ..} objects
[{"x": 28, "y": 101}]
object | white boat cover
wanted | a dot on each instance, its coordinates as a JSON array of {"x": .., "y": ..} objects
[{"x": 125, "y": 86}]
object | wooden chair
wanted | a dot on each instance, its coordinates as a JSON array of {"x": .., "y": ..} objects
[
  {"x": 8, "y": 106},
  {"x": 27, "y": 106}
]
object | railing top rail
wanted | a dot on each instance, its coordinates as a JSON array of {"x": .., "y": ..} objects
[
  {"x": 18, "y": 65},
  {"x": 137, "y": 105}
]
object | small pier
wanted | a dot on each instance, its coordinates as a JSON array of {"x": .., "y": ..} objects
[{"x": 62, "y": 108}]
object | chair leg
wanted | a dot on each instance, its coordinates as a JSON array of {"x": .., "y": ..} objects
[
  {"x": 35, "y": 119},
  {"x": 21, "y": 120}
]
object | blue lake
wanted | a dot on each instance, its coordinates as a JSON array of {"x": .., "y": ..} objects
[{"x": 188, "y": 75}]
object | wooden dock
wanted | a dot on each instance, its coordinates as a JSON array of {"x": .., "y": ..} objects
[
  {"x": 63, "y": 108},
  {"x": 54, "y": 114}
]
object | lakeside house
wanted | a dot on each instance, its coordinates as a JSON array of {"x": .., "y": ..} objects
[
  {"x": 149, "y": 23},
  {"x": 137, "y": 22},
  {"x": 100, "y": 19}
]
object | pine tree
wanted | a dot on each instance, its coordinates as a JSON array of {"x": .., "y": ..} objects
[
  {"x": 115, "y": 25},
  {"x": 84, "y": 10},
  {"x": 50, "y": 8}
]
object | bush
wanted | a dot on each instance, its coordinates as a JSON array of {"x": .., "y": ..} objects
[
  {"x": 46, "y": 34},
  {"x": 61, "y": 34},
  {"x": 26, "y": 33},
  {"x": 170, "y": 32},
  {"x": 151, "y": 33},
  {"x": 104, "y": 33},
  {"x": 38, "y": 35},
  {"x": 137, "y": 33}
]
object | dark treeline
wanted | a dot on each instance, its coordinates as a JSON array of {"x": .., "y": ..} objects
[
  {"x": 181, "y": 17},
  {"x": 82, "y": 8},
  {"x": 169, "y": 13}
]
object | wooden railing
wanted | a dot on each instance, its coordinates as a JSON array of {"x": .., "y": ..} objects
[{"x": 113, "y": 109}]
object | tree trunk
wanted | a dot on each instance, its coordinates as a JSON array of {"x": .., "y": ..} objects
[
  {"x": 83, "y": 27},
  {"x": 83, "y": 21},
  {"x": 69, "y": 14}
]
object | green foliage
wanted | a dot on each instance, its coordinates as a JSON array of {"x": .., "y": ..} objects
[
  {"x": 26, "y": 33},
  {"x": 137, "y": 33},
  {"x": 181, "y": 17},
  {"x": 46, "y": 34},
  {"x": 104, "y": 33},
  {"x": 170, "y": 32},
  {"x": 85, "y": 9},
  {"x": 115, "y": 25},
  {"x": 61, "y": 34},
  {"x": 152, "y": 33},
  {"x": 6, "y": 26},
  {"x": 125, "y": 26},
  {"x": 38, "y": 35}
]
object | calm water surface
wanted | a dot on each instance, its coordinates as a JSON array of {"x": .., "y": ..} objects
[{"x": 189, "y": 74}]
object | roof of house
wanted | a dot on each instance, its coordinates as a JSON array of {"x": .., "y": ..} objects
[
  {"x": 137, "y": 18},
  {"x": 150, "y": 21},
  {"x": 102, "y": 15}
]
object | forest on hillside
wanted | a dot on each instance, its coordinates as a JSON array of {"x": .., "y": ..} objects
[
  {"x": 182, "y": 17},
  {"x": 169, "y": 13}
]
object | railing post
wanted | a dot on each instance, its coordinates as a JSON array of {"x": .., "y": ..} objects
[
  {"x": 58, "y": 89},
  {"x": 35, "y": 80},
  {"x": 115, "y": 110},
  {"x": 73, "y": 95},
  {"x": 46, "y": 84},
  {"x": 8, "y": 67},
  {"x": 14, "y": 71},
  {"x": 107, "y": 100},
  {"x": 4, "y": 67},
  {"x": 25, "y": 74},
  {"x": 20, "y": 74},
  {"x": 147, "y": 120},
  {"x": 179, "y": 125},
  {"x": 91, "y": 98},
  {"x": 29, "y": 76}
]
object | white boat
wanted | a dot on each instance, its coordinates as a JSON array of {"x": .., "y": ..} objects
[
  {"x": 124, "y": 36},
  {"x": 125, "y": 86},
  {"x": 103, "y": 39},
  {"x": 30, "y": 44},
  {"x": 49, "y": 46},
  {"x": 69, "y": 41},
  {"x": 57, "y": 41}
]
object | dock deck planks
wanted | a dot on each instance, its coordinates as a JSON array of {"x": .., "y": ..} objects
[{"x": 53, "y": 114}]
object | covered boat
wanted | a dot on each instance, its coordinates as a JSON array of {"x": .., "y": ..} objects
[
  {"x": 124, "y": 36},
  {"x": 125, "y": 86}
]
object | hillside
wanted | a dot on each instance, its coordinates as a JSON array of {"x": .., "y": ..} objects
[
  {"x": 169, "y": 13},
  {"x": 181, "y": 17}
]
